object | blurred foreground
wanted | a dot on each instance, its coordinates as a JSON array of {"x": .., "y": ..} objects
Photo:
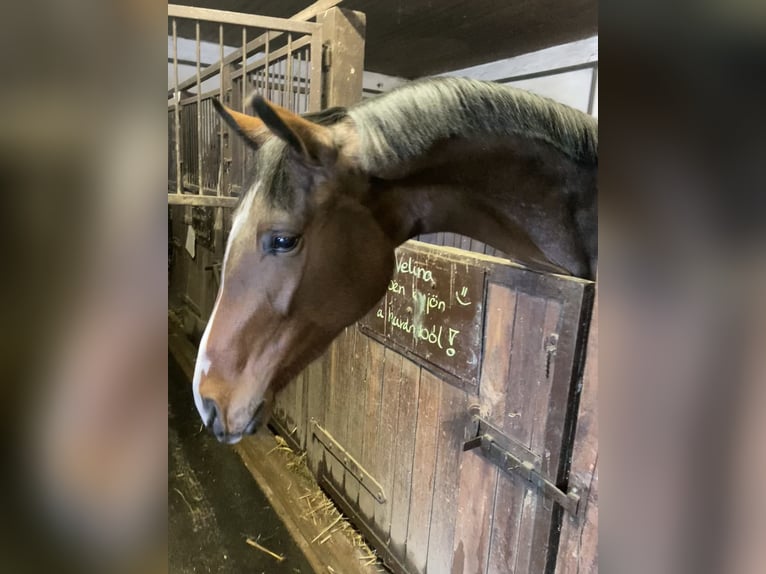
[
  {"x": 83, "y": 430},
  {"x": 682, "y": 285}
]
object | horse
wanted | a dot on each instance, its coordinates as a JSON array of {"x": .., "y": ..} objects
[{"x": 311, "y": 248}]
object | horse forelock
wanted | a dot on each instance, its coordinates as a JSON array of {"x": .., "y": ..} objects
[
  {"x": 402, "y": 124},
  {"x": 270, "y": 165},
  {"x": 267, "y": 178}
]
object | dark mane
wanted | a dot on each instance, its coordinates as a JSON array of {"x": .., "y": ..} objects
[
  {"x": 406, "y": 122},
  {"x": 328, "y": 117}
]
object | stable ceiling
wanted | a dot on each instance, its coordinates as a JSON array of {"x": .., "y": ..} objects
[{"x": 416, "y": 38}]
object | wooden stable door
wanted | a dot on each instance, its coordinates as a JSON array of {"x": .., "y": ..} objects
[{"x": 442, "y": 423}]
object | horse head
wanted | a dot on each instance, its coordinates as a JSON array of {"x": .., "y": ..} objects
[
  {"x": 311, "y": 248},
  {"x": 305, "y": 258}
]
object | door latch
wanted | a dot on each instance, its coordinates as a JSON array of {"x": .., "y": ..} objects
[{"x": 515, "y": 460}]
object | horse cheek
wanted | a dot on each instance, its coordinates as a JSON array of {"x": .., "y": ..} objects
[
  {"x": 348, "y": 274},
  {"x": 373, "y": 256}
]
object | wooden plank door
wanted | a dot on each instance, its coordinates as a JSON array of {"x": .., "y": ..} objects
[
  {"x": 404, "y": 422},
  {"x": 529, "y": 390}
]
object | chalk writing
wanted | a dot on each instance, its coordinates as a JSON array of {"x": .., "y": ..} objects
[
  {"x": 433, "y": 310},
  {"x": 463, "y": 294},
  {"x": 435, "y": 303},
  {"x": 396, "y": 287},
  {"x": 406, "y": 266}
]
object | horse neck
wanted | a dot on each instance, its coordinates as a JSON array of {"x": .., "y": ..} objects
[{"x": 523, "y": 197}]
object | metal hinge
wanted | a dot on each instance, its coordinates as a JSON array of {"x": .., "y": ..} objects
[
  {"x": 326, "y": 56},
  {"x": 515, "y": 460},
  {"x": 365, "y": 479}
]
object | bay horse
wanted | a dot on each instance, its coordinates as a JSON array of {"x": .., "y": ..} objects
[{"x": 311, "y": 249}]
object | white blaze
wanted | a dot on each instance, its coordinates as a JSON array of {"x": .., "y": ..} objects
[{"x": 202, "y": 366}]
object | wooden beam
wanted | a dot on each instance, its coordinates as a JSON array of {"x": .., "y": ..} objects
[
  {"x": 344, "y": 31},
  {"x": 201, "y": 200},
  {"x": 578, "y": 542},
  {"x": 182, "y": 62},
  {"x": 240, "y": 19}
]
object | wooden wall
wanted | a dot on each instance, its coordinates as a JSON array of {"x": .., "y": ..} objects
[{"x": 446, "y": 510}]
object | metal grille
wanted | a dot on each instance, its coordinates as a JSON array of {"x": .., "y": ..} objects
[{"x": 208, "y": 164}]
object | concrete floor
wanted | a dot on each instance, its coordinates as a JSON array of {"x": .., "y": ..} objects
[{"x": 214, "y": 503}]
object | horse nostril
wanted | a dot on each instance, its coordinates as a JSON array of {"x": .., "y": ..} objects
[{"x": 211, "y": 410}]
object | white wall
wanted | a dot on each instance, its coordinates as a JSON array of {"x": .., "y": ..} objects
[{"x": 566, "y": 73}]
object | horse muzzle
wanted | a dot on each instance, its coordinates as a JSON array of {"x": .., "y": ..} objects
[{"x": 216, "y": 423}]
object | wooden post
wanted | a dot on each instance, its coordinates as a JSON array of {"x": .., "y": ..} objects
[
  {"x": 342, "y": 63},
  {"x": 578, "y": 544},
  {"x": 343, "y": 33}
]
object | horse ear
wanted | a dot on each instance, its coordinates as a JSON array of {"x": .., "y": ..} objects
[
  {"x": 251, "y": 128},
  {"x": 311, "y": 141}
]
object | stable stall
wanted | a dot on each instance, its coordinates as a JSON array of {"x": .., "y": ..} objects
[{"x": 454, "y": 426}]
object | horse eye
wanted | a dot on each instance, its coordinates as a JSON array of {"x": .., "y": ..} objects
[{"x": 283, "y": 243}]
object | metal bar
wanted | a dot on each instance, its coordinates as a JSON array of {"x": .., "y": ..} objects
[
  {"x": 202, "y": 200},
  {"x": 305, "y": 14},
  {"x": 199, "y": 113},
  {"x": 303, "y": 41},
  {"x": 299, "y": 78},
  {"x": 266, "y": 68},
  {"x": 239, "y": 19},
  {"x": 515, "y": 460},
  {"x": 219, "y": 186},
  {"x": 305, "y": 81},
  {"x": 244, "y": 68},
  {"x": 367, "y": 481},
  {"x": 226, "y": 150},
  {"x": 187, "y": 62},
  {"x": 306, "y": 72},
  {"x": 214, "y": 93},
  {"x": 276, "y": 75},
  {"x": 304, "y": 85},
  {"x": 244, "y": 94},
  {"x": 177, "y": 106},
  {"x": 569, "y": 501},
  {"x": 480, "y": 427},
  {"x": 193, "y": 99},
  {"x": 289, "y": 71}
]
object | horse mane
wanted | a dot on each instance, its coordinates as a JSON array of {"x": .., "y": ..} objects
[
  {"x": 404, "y": 123},
  {"x": 328, "y": 116}
]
